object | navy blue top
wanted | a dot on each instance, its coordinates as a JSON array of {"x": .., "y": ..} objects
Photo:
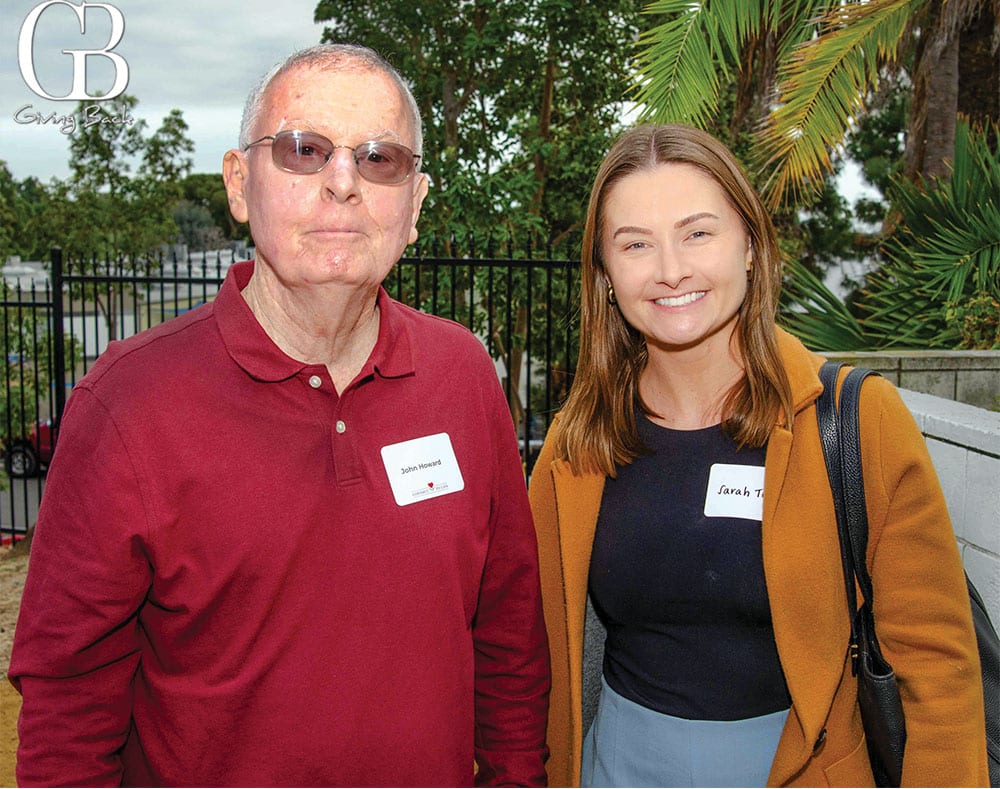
[{"x": 682, "y": 594}]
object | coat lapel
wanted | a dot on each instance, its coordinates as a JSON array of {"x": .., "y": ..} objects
[{"x": 803, "y": 576}]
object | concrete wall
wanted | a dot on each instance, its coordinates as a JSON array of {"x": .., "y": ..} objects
[
  {"x": 964, "y": 443},
  {"x": 971, "y": 377}
]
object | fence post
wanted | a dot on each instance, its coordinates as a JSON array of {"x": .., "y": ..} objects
[{"x": 58, "y": 338}]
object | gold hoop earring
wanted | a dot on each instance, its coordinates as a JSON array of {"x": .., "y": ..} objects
[{"x": 611, "y": 295}]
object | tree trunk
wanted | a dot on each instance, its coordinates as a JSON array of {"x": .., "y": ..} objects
[
  {"x": 942, "y": 111},
  {"x": 936, "y": 85},
  {"x": 755, "y": 85},
  {"x": 107, "y": 307},
  {"x": 544, "y": 131},
  {"x": 513, "y": 360},
  {"x": 979, "y": 68},
  {"x": 451, "y": 108}
]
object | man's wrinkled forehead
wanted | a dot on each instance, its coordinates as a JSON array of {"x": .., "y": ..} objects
[{"x": 283, "y": 98}]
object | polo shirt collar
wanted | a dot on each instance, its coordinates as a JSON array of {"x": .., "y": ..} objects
[
  {"x": 251, "y": 348},
  {"x": 392, "y": 356}
]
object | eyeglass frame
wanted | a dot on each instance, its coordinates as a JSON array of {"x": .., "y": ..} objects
[{"x": 333, "y": 147}]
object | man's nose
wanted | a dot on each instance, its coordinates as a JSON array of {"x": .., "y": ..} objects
[{"x": 342, "y": 181}]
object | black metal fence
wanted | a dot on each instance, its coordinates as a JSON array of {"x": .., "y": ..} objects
[{"x": 522, "y": 302}]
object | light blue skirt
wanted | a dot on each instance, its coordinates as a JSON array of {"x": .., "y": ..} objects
[{"x": 630, "y": 745}]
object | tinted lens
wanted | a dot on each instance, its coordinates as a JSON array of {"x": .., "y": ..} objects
[
  {"x": 301, "y": 152},
  {"x": 384, "y": 162},
  {"x": 306, "y": 152}
]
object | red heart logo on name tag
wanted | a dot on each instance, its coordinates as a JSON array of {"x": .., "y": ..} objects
[{"x": 430, "y": 484}]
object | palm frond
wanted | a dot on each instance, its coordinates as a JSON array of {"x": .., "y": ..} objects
[
  {"x": 679, "y": 65},
  {"x": 822, "y": 85},
  {"x": 683, "y": 61},
  {"x": 797, "y": 20},
  {"x": 816, "y": 315},
  {"x": 945, "y": 252}
]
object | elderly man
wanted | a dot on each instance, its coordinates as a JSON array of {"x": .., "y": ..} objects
[{"x": 285, "y": 538}]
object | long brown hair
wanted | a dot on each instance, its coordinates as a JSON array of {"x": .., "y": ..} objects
[{"x": 597, "y": 429}]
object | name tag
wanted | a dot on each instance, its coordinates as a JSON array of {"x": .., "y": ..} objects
[
  {"x": 735, "y": 492},
  {"x": 422, "y": 468}
]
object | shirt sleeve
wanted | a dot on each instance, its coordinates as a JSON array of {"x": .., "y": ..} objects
[
  {"x": 511, "y": 647},
  {"x": 76, "y": 645}
]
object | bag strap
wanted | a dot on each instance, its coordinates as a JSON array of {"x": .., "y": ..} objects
[
  {"x": 840, "y": 434},
  {"x": 829, "y": 433}
]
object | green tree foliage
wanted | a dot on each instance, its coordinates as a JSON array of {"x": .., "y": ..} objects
[
  {"x": 26, "y": 377},
  {"x": 943, "y": 261},
  {"x": 808, "y": 67},
  {"x": 23, "y": 222},
  {"x": 34, "y": 236},
  {"x": 158, "y": 185},
  {"x": 877, "y": 141},
  {"x": 108, "y": 218},
  {"x": 9, "y": 220},
  {"x": 717, "y": 66},
  {"x": 166, "y": 154},
  {"x": 196, "y": 226},
  {"x": 939, "y": 284},
  {"x": 209, "y": 192},
  {"x": 104, "y": 210},
  {"x": 520, "y": 99},
  {"x": 127, "y": 216}
]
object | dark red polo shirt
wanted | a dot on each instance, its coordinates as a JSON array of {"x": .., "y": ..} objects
[{"x": 226, "y": 590}]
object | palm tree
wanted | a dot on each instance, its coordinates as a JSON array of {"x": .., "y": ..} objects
[
  {"x": 802, "y": 70},
  {"x": 939, "y": 283}
]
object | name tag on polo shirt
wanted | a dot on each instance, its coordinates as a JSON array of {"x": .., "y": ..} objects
[
  {"x": 422, "y": 468},
  {"x": 735, "y": 492}
]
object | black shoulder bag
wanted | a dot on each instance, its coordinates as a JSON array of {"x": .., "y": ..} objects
[{"x": 878, "y": 694}]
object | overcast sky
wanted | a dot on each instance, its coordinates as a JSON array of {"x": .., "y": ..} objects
[{"x": 199, "y": 56}]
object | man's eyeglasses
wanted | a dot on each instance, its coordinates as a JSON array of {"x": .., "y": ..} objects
[{"x": 304, "y": 152}]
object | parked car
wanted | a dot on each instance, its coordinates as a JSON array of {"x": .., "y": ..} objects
[{"x": 27, "y": 457}]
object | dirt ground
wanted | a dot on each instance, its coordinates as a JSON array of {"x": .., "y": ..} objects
[{"x": 13, "y": 567}]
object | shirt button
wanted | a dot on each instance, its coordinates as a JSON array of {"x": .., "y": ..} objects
[
  {"x": 315, "y": 381},
  {"x": 341, "y": 427}
]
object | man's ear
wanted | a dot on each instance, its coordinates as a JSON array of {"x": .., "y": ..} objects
[
  {"x": 420, "y": 188},
  {"x": 234, "y": 175}
]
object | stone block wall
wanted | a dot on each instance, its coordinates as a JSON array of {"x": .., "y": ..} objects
[{"x": 971, "y": 377}]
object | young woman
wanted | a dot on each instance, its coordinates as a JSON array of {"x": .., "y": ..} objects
[{"x": 682, "y": 491}]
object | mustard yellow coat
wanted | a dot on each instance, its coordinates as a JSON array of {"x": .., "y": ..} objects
[{"x": 921, "y": 604}]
